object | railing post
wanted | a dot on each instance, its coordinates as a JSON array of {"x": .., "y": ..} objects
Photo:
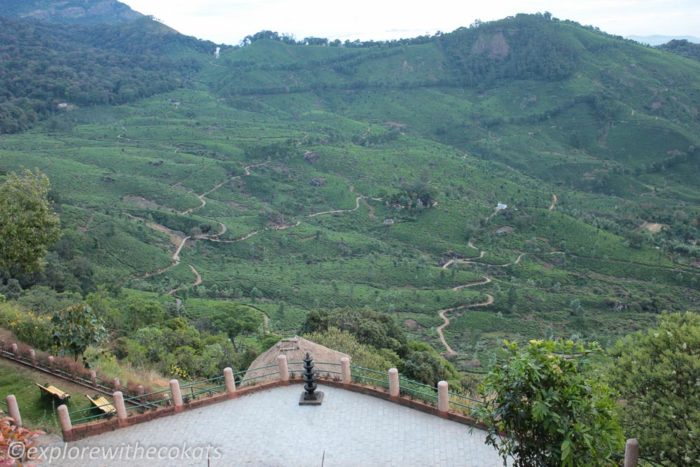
[
  {"x": 93, "y": 377},
  {"x": 13, "y": 349},
  {"x": 52, "y": 360},
  {"x": 140, "y": 390},
  {"x": 176, "y": 393},
  {"x": 443, "y": 397},
  {"x": 345, "y": 370},
  {"x": 394, "y": 388},
  {"x": 32, "y": 356},
  {"x": 121, "y": 407},
  {"x": 283, "y": 367},
  {"x": 117, "y": 384},
  {"x": 64, "y": 419},
  {"x": 13, "y": 409},
  {"x": 230, "y": 381},
  {"x": 631, "y": 453}
]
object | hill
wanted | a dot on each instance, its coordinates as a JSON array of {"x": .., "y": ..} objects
[
  {"x": 682, "y": 47},
  {"x": 83, "y": 12},
  {"x": 48, "y": 68},
  {"x": 519, "y": 178}
]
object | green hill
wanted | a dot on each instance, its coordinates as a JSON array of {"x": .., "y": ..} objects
[
  {"x": 71, "y": 11},
  {"x": 367, "y": 175}
]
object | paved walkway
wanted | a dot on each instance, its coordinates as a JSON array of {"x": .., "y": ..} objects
[{"x": 269, "y": 428}]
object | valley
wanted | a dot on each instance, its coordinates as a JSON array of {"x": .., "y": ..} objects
[{"x": 476, "y": 207}]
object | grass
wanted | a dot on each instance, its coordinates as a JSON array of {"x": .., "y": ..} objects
[{"x": 38, "y": 412}]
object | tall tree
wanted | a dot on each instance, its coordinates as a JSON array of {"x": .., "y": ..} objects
[
  {"x": 28, "y": 225},
  {"x": 543, "y": 407},
  {"x": 657, "y": 373}
]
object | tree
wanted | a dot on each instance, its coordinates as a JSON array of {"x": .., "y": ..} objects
[
  {"x": 28, "y": 225},
  {"x": 657, "y": 374},
  {"x": 234, "y": 319},
  {"x": 77, "y": 327},
  {"x": 544, "y": 408}
]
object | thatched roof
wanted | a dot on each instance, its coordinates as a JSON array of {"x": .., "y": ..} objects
[{"x": 264, "y": 368}]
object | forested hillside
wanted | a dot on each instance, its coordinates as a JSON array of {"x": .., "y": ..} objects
[
  {"x": 520, "y": 178},
  {"x": 46, "y": 69},
  {"x": 71, "y": 11}
]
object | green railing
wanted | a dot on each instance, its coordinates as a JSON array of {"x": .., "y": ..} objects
[
  {"x": 259, "y": 374},
  {"x": 463, "y": 403},
  {"x": 89, "y": 414},
  {"x": 148, "y": 401},
  {"x": 416, "y": 390},
  {"x": 206, "y": 387},
  {"x": 327, "y": 370},
  {"x": 370, "y": 377}
]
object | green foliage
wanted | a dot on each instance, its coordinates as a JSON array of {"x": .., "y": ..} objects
[
  {"x": 657, "y": 374},
  {"x": 682, "y": 47},
  {"x": 77, "y": 327},
  {"x": 363, "y": 355},
  {"x": 28, "y": 225},
  {"x": 543, "y": 407},
  {"x": 177, "y": 348},
  {"x": 31, "y": 328},
  {"x": 368, "y": 326},
  {"x": 424, "y": 364},
  {"x": 49, "y": 65}
]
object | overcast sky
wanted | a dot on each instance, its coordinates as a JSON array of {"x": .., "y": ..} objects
[{"x": 228, "y": 21}]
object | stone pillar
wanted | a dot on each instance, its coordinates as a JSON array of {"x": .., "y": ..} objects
[
  {"x": 631, "y": 453},
  {"x": 32, "y": 356},
  {"x": 394, "y": 389},
  {"x": 283, "y": 368},
  {"x": 64, "y": 419},
  {"x": 345, "y": 370},
  {"x": 13, "y": 349},
  {"x": 443, "y": 397},
  {"x": 93, "y": 377},
  {"x": 176, "y": 394},
  {"x": 121, "y": 407},
  {"x": 230, "y": 381},
  {"x": 13, "y": 409},
  {"x": 117, "y": 384}
]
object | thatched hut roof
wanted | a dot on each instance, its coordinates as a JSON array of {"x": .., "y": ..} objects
[{"x": 264, "y": 368}]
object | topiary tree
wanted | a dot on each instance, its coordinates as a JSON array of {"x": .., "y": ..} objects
[
  {"x": 542, "y": 407},
  {"x": 657, "y": 373}
]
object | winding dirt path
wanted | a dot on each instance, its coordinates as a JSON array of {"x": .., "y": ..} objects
[
  {"x": 339, "y": 211},
  {"x": 449, "y": 351},
  {"x": 555, "y": 200}
]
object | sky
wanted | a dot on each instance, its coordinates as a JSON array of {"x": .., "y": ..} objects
[{"x": 229, "y": 21}]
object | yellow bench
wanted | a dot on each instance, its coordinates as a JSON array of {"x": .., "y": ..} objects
[
  {"x": 103, "y": 404},
  {"x": 54, "y": 392}
]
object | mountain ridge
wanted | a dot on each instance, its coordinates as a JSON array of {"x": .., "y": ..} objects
[{"x": 84, "y": 12}]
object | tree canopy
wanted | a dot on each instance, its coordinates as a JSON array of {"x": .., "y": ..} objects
[
  {"x": 28, "y": 225},
  {"x": 77, "y": 327},
  {"x": 543, "y": 407},
  {"x": 657, "y": 373}
]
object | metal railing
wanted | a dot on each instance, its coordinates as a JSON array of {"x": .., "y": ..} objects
[
  {"x": 370, "y": 377},
  {"x": 416, "y": 390},
  {"x": 205, "y": 388},
  {"x": 88, "y": 414},
  {"x": 463, "y": 403}
]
